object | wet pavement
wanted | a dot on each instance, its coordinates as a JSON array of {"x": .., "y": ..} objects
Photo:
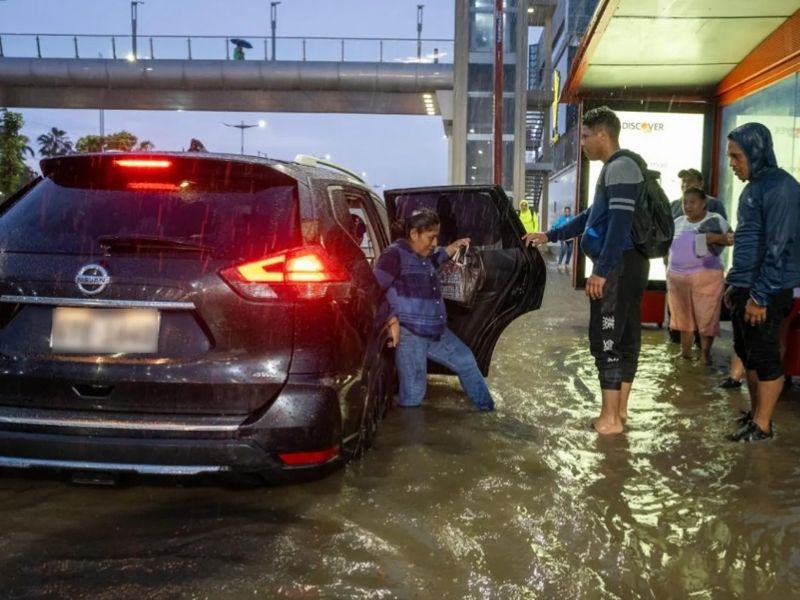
[{"x": 523, "y": 503}]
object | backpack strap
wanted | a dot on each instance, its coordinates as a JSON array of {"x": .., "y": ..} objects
[{"x": 640, "y": 162}]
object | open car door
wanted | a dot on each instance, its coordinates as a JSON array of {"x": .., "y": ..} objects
[{"x": 514, "y": 277}]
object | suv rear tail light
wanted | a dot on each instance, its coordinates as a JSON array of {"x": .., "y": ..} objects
[{"x": 306, "y": 273}]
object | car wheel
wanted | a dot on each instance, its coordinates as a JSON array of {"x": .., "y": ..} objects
[{"x": 379, "y": 390}]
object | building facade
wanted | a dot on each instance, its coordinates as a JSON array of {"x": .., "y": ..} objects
[{"x": 472, "y": 139}]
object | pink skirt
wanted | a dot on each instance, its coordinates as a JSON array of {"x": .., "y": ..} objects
[{"x": 695, "y": 300}]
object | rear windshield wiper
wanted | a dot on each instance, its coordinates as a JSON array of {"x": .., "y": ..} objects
[{"x": 150, "y": 243}]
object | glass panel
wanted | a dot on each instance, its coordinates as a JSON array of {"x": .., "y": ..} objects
[
  {"x": 468, "y": 213},
  {"x": 481, "y": 35},
  {"x": 778, "y": 108},
  {"x": 236, "y": 210},
  {"x": 480, "y": 115}
]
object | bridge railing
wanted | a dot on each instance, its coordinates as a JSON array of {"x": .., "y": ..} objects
[{"x": 309, "y": 48}]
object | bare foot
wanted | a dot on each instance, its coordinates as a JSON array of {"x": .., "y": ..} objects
[{"x": 606, "y": 427}]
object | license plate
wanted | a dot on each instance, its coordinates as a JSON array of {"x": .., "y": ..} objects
[{"x": 105, "y": 330}]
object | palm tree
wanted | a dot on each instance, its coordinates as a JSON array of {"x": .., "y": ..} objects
[{"x": 54, "y": 143}]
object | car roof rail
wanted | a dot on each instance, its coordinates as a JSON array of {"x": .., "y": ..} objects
[{"x": 313, "y": 161}]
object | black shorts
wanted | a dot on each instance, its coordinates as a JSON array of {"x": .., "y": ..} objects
[{"x": 759, "y": 345}]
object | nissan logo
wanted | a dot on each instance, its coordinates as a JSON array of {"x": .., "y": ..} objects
[{"x": 92, "y": 279}]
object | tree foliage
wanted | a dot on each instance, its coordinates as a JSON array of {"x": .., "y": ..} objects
[
  {"x": 121, "y": 140},
  {"x": 13, "y": 148},
  {"x": 55, "y": 142},
  {"x": 89, "y": 143}
]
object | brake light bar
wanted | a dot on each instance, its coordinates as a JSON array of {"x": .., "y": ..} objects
[{"x": 143, "y": 163}]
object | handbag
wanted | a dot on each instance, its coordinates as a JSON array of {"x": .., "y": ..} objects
[{"x": 462, "y": 277}]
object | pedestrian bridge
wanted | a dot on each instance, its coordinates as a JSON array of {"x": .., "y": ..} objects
[{"x": 345, "y": 75}]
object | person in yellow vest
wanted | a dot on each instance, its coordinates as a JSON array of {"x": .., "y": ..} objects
[{"x": 529, "y": 219}]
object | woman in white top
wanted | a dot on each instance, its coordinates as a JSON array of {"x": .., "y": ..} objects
[{"x": 695, "y": 273}]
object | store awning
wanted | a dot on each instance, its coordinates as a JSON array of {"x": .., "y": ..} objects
[{"x": 674, "y": 46}]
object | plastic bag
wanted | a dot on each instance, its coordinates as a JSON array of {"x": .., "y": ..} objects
[{"x": 462, "y": 277}]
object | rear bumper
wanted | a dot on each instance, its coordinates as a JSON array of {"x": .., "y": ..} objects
[
  {"x": 126, "y": 455},
  {"x": 304, "y": 417}
]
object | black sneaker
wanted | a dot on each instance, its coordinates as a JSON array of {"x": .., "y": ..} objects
[
  {"x": 744, "y": 418},
  {"x": 730, "y": 383},
  {"x": 751, "y": 433}
]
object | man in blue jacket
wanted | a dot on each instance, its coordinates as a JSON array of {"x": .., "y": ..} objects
[
  {"x": 619, "y": 272},
  {"x": 766, "y": 266}
]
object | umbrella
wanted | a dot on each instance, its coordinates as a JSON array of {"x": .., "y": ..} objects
[{"x": 240, "y": 42}]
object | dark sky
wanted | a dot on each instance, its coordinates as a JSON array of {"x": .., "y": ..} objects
[{"x": 393, "y": 150}]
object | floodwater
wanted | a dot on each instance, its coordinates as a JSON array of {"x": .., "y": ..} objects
[{"x": 523, "y": 503}]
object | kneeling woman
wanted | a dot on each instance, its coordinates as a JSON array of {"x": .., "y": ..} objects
[
  {"x": 406, "y": 271},
  {"x": 694, "y": 275}
]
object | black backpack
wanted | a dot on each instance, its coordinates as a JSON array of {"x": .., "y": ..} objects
[{"x": 653, "y": 226}]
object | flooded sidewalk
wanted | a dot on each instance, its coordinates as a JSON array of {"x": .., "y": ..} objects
[{"x": 522, "y": 503}]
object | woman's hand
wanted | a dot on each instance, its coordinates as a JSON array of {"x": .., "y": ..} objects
[
  {"x": 720, "y": 239},
  {"x": 394, "y": 332},
  {"x": 453, "y": 248}
]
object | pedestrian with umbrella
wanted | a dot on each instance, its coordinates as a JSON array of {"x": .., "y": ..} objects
[{"x": 238, "y": 51}]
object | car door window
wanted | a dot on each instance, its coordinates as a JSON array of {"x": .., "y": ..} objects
[
  {"x": 355, "y": 212},
  {"x": 468, "y": 213}
]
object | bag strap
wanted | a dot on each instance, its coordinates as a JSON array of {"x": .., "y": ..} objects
[
  {"x": 640, "y": 162},
  {"x": 460, "y": 257}
]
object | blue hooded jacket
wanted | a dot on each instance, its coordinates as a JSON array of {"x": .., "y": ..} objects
[{"x": 766, "y": 249}]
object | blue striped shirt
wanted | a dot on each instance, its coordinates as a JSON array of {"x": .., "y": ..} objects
[{"x": 412, "y": 286}]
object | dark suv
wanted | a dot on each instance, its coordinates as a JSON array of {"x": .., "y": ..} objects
[{"x": 188, "y": 313}]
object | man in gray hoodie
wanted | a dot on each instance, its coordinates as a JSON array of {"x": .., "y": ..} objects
[{"x": 765, "y": 268}]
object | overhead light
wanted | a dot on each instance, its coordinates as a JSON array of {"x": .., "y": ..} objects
[
  {"x": 530, "y": 10},
  {"x": 480, "y": 151}
]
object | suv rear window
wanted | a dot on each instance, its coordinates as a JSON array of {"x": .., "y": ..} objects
[{"x": 240, "y": 210}]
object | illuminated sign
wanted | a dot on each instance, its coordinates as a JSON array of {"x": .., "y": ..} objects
[
  {"x": 554, "y": 106},
  {"x": 642, "y": 126}
]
